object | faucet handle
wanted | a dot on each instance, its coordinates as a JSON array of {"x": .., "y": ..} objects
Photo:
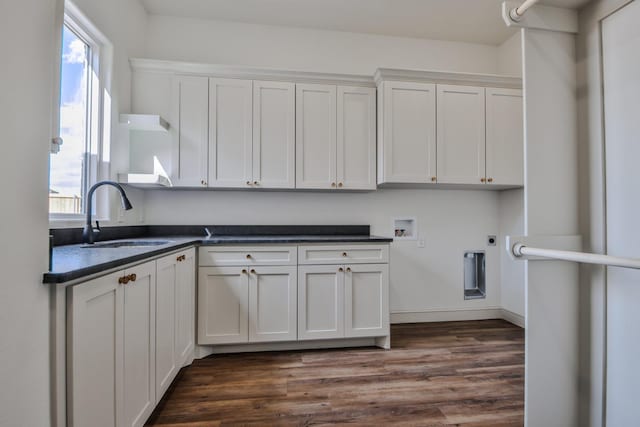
[{"x": 206, "y": 230}]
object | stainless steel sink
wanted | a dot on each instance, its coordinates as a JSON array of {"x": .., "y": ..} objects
[{"x": 127, "y": 244}]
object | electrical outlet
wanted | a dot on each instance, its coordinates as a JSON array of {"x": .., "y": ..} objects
[
  {"x": 491, "y": 240},
  {"x": 421, "y": 243}
]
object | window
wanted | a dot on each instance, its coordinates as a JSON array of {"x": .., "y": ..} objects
[{"x": 83, "y": 107}]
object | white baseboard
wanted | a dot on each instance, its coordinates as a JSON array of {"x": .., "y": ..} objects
[
  {"x": 206, "y": 350},
  {"x": 457, "y": 315},
  {"x": 512, "y": 317}
]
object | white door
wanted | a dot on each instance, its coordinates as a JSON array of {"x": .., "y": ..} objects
[
  {"x": 320, "y": 302},
  {"x": 167, "y": 363},
  {"x": 356, "y": 138},
  {"x": 461, "y": 135},
  {"x": 366, "y": 288},
  {"x": 139, "y": 392},
  {"x": 274, "y": 146},
  {"x": 189, "y": 129},
  {"x": 95, "y": 352},
  {"x": 408, "y": 132},
  {"x": 621, "y": 68},
  {"x": 223, "y": 305},
  {"x": 315, "y": 136},
  {"x": 230, "y": 132},
  {"x": 273, "y": 304},
  {"x": 505, "y": 137},
  {"x": 185, "y": 307}
]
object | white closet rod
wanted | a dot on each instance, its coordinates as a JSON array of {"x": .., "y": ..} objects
[
  {"x": 517, "y": 12},
  {"x": 520, "y": 250}
]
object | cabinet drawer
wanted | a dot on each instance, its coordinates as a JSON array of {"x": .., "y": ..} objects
[
  {"x": 344, "y": 254},
  {"x": 247, "y": 255}
]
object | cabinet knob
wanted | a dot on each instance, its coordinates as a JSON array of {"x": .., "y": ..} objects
[
  {"x": 433, "y": 179},
  {"x": 244, "y": 271},
  {"x": 348, "y": 269},
  {"x": 256, "y": 183},
  {"x": 482, "y": 180},
  {"x": 340, "y": 184},
  {"x": 248, "y": 182},
  {"x": 123, "y": 280},
  {"x": 490, "y": 180},
  {"x": 203, "y": 182},
  {"x": 248, "y": 256},
  {"x": 340, "y": 269},
  {"x": 133, "y": 277},
  {"x": 344, "y": 254},
  {"x": 333, "y": 184},
  {"x": 253, "y": 271}
]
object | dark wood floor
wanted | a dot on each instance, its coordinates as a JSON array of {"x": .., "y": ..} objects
[{"x": 436, "y": 374}]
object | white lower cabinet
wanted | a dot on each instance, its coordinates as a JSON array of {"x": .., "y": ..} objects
[
  {"x": 366, "y": 302},
  {"x": 223, "y": 298},
  {"x": 126, "y": 341},
  {"x": 174, "y": 329},
  {"x": 320, "y": 302},
  {"x": 272, "y": 304},
  {"x": 246, "y": 304},
  {"x": 343, "y": 301},
  {"x": 95, "y": 318}
]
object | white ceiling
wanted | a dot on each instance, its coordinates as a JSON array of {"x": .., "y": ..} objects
[{"x": 477, "y": 21}]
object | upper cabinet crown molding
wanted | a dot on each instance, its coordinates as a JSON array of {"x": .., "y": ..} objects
[
  {"x": 450, "y": 78},
  {"x": 248, "y": 73}
]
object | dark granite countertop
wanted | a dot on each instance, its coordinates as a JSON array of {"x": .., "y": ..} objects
[{"x": 71, "y": 262}]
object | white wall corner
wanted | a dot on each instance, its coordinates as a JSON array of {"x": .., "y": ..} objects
[{"x": 542, "y": 18}]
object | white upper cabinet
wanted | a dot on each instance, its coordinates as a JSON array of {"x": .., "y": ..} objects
[
  {"x": 505, "y": 137},
  {"x": 189, "y": 129},
  {"x": 315, "y": 136},
  {"x": 461, "y": 135},
  {"x": 273, "y": 135},
  {"x": 407, "y": 129},
  {"x": 356, "y": 139},
  {"x": 230, "y": 132}
]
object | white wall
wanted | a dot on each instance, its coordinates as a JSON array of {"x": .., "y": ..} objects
[
  {"x": 25, "y": 111},
  {"x": 219, "y": 42},
  {"x": 511, "y": 220},
  {"x": 510, "y": 56},
  {"x": 423, "y": 280}
]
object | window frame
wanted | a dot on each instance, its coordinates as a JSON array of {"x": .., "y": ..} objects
[{"x": 98, "y": 129}]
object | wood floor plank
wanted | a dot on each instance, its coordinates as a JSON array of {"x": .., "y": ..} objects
[{"x": 468, "y": 374}]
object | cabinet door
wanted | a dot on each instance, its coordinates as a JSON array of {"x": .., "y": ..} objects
[
  {"x": 94, "y": 350},
  {"x": 274, "y": 135},
  {"x": 189, "y": 128},
  {"x": 223, "y": 305},
  {"x": 505, "y": 137},
  {"x": 167, "y": 364},
  {"x": 320, "y": 302},
  {"x": 315, "y": 136},
  {"x": 408, "y": 134},
  {"x": 185, "y": 307},
  {"x": 230, "y": 132},
  {"x": 272, "y": 304},
  {"x": 366, "y": 300},
  {"x": 356, "y": 138},
  {"x": 139, "y": 392},
  {"x": 461, "y": 135}
]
